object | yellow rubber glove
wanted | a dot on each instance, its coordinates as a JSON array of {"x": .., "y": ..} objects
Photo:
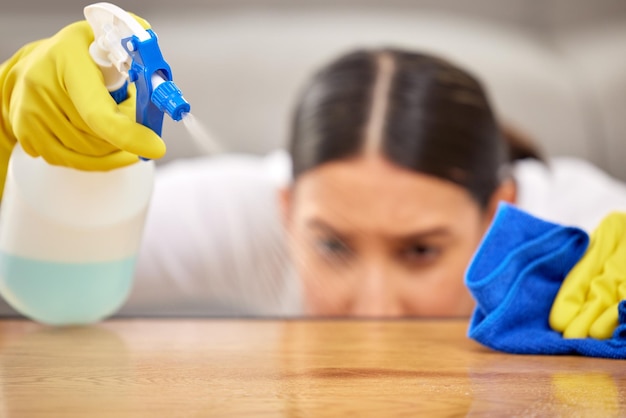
[
  {"x": 54, "y": 103},
  {"x": 586, "y": 305}
]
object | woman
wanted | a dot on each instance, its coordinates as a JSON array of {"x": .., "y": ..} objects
[{"x": 396, "y": 165}]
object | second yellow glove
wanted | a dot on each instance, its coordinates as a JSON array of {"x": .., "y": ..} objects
[{"x": 587, "y": 302}]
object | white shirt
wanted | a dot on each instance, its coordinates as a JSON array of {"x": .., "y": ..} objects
[
  {"x": 214, "y": 244},
  {"x": 568, "y": 191}
]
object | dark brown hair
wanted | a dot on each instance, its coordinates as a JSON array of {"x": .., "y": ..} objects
[{"x": 437, "y": 119}]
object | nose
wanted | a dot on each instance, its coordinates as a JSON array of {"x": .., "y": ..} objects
[{"x": 376, "y": 294}]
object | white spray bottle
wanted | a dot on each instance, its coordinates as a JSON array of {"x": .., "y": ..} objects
[{"x": 69, "y": 238}]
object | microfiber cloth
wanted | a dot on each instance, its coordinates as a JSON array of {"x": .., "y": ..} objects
[{"x": 514, "y": 277}]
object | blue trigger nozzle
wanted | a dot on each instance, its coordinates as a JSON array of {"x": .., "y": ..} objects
[{"x": 156, "y": 93}]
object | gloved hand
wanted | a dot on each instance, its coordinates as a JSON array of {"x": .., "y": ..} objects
[
  {"x": 54, "y": 103},
  {"x": 586, "y": 304}
]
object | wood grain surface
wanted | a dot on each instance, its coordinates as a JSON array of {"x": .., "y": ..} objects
[{"x": 299, "y": 368}]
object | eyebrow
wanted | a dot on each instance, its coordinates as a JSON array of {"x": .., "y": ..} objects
[
  {"x": 319, "y": 224},
  {"x": 434, "y": 232}
]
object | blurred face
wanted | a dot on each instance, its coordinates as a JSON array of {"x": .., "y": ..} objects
[{"x": 372, "y": 239}]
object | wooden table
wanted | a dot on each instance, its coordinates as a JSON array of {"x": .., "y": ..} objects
[{"x": 257, "y": 368}]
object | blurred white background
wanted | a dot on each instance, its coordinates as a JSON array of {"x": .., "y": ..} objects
[{"x": 554, "y": 68}]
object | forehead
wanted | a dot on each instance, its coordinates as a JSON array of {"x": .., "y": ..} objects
[{"x": 370, "y": 192}]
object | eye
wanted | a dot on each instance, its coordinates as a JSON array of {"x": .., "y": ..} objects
[
  {"x": 420, "y": 253},
  {"x": 333, "y": 248}
]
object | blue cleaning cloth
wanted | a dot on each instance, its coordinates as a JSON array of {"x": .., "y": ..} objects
[{"x": 515, "y": 276}]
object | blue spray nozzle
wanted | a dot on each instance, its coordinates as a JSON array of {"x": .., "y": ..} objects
[
  {"x": 156, "y": 92},
  {"x": 169, "y": 99}
]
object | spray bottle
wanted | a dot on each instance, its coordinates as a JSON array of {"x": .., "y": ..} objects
[{"x": 69, "y": 238}]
